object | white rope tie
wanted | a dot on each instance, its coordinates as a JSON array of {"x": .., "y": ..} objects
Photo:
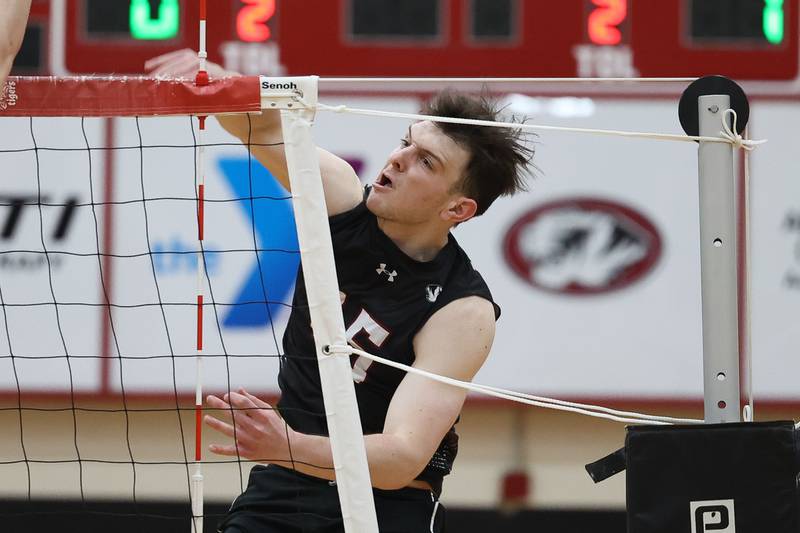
[
  {"x": 528, "y": 399},
  {"x": 733, "y": 136}
]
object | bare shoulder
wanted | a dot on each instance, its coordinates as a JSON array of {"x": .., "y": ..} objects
[
  {"x": 343, "y": 190},
  {"x": 456, "y": 340},
  {"x": 471, "y": 311}
]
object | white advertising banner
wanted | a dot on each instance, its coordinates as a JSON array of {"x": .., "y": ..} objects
[
  {"x": 775, "y": 252},
  {"x": 48, "y": 253},
  {"x": 596, "y": 268}
]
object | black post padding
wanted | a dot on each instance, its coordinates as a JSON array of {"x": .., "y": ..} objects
[{"x": 725, "y": 478}]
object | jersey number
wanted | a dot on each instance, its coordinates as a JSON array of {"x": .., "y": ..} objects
[{"x": 376, "y": 334}]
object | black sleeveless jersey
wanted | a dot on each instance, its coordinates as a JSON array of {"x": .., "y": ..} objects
[{"x": 388, "y": 297}]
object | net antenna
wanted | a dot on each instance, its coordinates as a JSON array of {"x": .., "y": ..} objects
[{"x": 201, "y": 80}]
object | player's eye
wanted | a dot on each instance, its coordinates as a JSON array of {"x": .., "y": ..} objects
[
  {"x": 427, "y": 162},
  {"x": 404, "y": 142}
]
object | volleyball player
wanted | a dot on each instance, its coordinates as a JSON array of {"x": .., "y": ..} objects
[{"x": 409, "y": 293}]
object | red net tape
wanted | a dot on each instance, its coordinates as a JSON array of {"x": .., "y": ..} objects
[{"x": 124, "y": 96}]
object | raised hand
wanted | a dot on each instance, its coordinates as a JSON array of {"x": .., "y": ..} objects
[{"x": 182, "y": 64}]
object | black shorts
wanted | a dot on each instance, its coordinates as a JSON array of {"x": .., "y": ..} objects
[{"x": 280, "y": 500}]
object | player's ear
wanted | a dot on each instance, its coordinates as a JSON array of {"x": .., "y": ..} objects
[{"x": 460, "y": 210}]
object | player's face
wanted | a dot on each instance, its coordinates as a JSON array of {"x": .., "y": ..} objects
[{"x": 418, "y": 182}]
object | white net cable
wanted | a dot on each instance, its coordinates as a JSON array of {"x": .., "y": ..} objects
[
  {"x": 726, "y": 135},
  {"x": 506, "y": 80},
  {"x": 748, "y": 412},
  {"x": 528, "y": 399}
]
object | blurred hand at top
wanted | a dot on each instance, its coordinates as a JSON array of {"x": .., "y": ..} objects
[
  {"x": 182, "y": 64},
  {"x": 264, "y": 127}
]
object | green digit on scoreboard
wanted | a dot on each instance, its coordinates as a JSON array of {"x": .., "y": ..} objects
[
  {"x": 145, "y": 26},
  {"x": 773, "y": 21}
]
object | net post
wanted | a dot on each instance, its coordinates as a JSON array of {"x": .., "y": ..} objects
[
  {"x": 313, "y": 234},
  {"x": 719, "y": 281}
]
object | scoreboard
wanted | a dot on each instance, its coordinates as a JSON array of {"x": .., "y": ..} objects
[
  {"x": 118, "y": 36},
  {"x": 742, "y": 39}
]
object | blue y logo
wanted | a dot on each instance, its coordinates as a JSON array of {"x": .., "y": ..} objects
[{"x": 270, "y": 214}]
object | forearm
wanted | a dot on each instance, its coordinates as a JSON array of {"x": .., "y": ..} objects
[
  {"x": 391, "y": 466},
  {"x": 260, "y": 434},
  {"x": 13, "y": 20},
  {"x": 263, "y": 128},
  {"x": 263, "y": 136}
]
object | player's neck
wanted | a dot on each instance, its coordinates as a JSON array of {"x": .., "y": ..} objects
[{"x": 421, "y": 242}]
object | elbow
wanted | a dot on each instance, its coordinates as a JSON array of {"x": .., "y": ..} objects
[
  {"x": 399, "y": 475},
  {"x": 394, "y": 482},
  {"x": 385, "y": 484},
  {"x": 9, "y": 46},
  {"x": 6, "y": 58},
  {"x": 5, "y": 69}
]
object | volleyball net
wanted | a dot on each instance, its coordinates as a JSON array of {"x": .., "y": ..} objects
[
  {"x": 118, "y": 290},
  {"x": 121, "y": 296}
]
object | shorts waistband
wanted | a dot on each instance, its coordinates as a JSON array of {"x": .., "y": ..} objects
[{"x": 322, "y": 481}]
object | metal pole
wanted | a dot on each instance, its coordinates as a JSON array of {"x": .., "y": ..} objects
[{"x": 718, "y": 266}]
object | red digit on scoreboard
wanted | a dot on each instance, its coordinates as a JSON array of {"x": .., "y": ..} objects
[
  {"x": 604, "y": 21},
  {"x": 251, "y": 21}
]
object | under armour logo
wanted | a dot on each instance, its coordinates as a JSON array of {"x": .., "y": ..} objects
[
  {"x": 382, "y": 270},
  {"x": 432, "y": 292}
]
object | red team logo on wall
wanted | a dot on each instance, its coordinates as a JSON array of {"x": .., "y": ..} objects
[{"x": 582, "y": 246}]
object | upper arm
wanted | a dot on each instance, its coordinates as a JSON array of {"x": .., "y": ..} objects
[
  {"x": 455, "y": 343},
  {"x": 263, "y": 136},
  {"x": 13, "y": 21}
]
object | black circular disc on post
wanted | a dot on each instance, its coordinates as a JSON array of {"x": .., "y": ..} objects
[{"x": 687, "y": 108}]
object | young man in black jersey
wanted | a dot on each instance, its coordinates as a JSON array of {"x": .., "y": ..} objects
[{"x": 409, "y": 293}]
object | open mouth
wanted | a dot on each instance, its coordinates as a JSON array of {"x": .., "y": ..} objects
[{"x": 384, "y": 181}]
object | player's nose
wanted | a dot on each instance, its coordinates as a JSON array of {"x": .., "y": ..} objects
[{"x": 399, "y": 158}]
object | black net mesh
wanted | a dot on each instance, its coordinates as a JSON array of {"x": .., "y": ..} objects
[{"x": 98, "y": 286}]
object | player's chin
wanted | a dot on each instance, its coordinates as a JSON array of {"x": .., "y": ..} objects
[
  {"x": 381, "y": 206},
  {"x": 375, "y": 201}
]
